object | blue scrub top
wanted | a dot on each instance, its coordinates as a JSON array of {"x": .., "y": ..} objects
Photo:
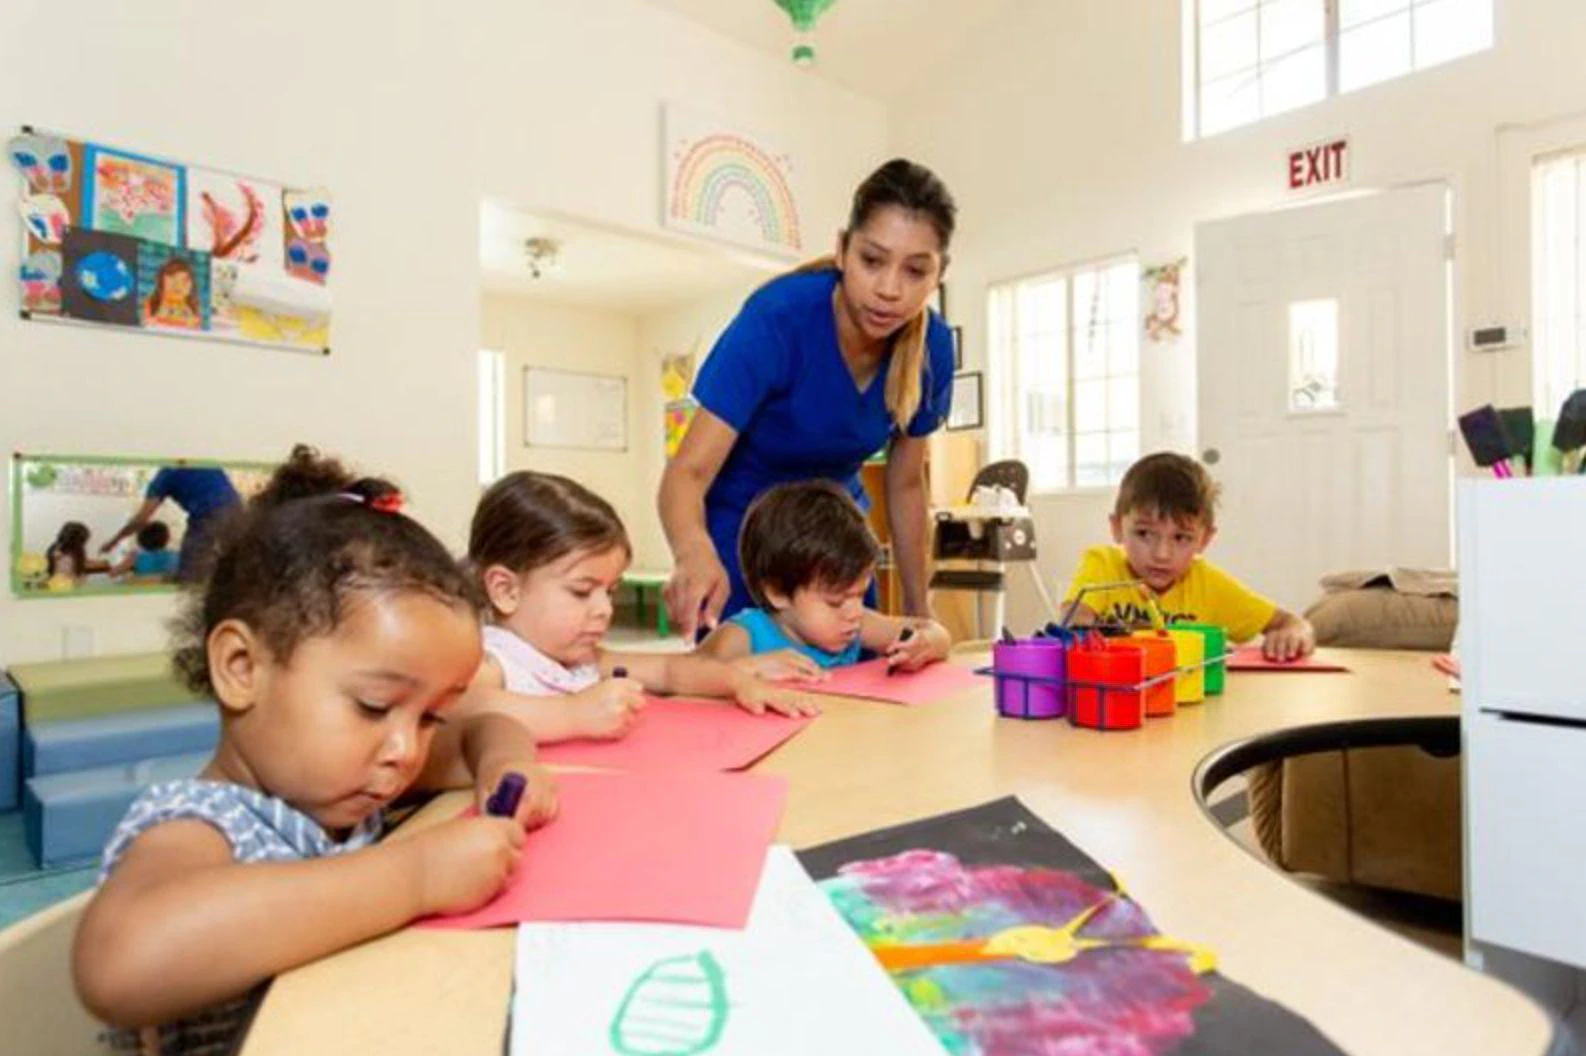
[{"x": 777, "y": 376}]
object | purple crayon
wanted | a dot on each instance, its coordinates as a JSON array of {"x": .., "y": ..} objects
[{"x": 503, "y": 802}]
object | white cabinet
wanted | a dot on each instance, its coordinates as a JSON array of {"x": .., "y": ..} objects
[
  {"x": 1522, "y": 641},
  {"x": 1526, "y": 822}
]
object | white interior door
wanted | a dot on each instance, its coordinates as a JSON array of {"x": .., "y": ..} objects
[{"x": 1324, "y": 363}]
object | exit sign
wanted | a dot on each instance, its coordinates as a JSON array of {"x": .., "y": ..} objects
[{"x": 1324, "y": 164}]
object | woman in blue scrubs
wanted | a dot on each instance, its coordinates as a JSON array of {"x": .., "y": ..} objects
[{"x": 821, "y": 369}]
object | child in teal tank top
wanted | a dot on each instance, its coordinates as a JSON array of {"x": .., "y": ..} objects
[{"x": 807, "y": 557}]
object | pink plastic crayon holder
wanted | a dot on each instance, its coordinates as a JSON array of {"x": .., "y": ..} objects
[{"x": 1029, "y": 675}]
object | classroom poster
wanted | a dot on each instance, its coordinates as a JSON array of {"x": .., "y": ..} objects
[{"x": 1006, "y": 938}]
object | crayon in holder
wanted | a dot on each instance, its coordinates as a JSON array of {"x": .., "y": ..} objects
[
  {"x": 1213, "y": 652},
  {"x": 1107, "y": 685},
  {"x": 1190, "y": 685},
  {"x": 1029, "y": 677},
  {"x": 1161, "y": 659}
]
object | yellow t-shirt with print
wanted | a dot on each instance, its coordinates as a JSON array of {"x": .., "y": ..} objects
[{"x": 1206, "y": 594}]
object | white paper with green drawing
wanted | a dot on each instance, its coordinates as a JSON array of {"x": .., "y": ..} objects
[{"x": 796, "y": 980}]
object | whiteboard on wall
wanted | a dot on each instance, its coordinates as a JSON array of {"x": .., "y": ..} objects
[{"x": 566, "y": 408}]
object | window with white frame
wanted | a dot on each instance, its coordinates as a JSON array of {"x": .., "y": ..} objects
[
  {"x": 492, "y": 416},
  {"x": 1558, "y": 279},
  {"x": 1249, "y": 59},
  {"x": 1066, "y": 346}
]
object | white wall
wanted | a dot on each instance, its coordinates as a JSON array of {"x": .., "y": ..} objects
[
  {"x": 1060, "y": 131},
  {"x": 693, "y": 324},
  {"x": 409, "y": 114},
  {"x": 544, "y": 334}
]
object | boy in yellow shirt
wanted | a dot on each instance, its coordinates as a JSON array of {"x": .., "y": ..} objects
[{"x": 1163, "y": 520}]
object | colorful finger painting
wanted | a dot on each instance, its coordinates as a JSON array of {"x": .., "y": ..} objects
[
  {"x": 128, "y": 194},
  {"x": 1007, "y": 939}
]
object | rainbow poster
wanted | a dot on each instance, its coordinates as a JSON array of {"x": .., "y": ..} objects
[{"x": 727, "y": 183}]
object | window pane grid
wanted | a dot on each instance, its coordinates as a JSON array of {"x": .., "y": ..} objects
[
  {"x": 1256, "y": 59},
  {"x": 1069, "y": 343}
]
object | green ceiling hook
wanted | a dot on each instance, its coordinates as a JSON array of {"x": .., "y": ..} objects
[{"x": 804, "y": 13}]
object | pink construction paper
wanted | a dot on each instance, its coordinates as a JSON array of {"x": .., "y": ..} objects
[
  {"x": 871, "y": 681},
  {"x": 1249, "y": 658},
  {"x": 680, "y": 848},
  {"x": 679, "y": 733}
]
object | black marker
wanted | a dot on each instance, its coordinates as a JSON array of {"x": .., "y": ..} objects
[
  {"x": 619, "y": 672},
  {"x": 908, "y": 632}
]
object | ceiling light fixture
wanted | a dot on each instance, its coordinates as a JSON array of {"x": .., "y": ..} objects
[
  {"x": 804, "y": 13},
  {"x": 542, "y": 256}
]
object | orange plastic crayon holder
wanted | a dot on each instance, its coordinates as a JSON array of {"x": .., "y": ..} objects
[{"x": 1161, "y": 658}]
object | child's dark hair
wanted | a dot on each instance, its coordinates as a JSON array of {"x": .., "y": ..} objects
[
  {"x": 71, "y": 541},
  {"x": 289, "y": 562},
  {"x": 155, "y": 535},
  {"x": 1170, "y": 485},
  {"x": 526, "y": 520},
  {"x": 809, "y": 533}
]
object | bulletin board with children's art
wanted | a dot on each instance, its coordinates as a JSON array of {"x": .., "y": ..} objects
[{"x": 115, "y": 238}]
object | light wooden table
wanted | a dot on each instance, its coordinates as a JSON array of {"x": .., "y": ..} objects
[{"x": 1124, "y": 798}]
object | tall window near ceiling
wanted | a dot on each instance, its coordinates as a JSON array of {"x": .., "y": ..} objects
[
  {"x": 1249, "y": 59},
  {"x": 1065, "y": 352},
  {"x": 1558, "y": 279},
  {"x": 492, "y": 416}
]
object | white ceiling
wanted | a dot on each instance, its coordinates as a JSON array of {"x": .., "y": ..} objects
[
  {"x": 602, "y": 268},
  {"x": 882, "y": 48}
]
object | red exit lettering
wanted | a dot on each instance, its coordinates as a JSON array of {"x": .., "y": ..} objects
[{"x": 1323, "y": 163}]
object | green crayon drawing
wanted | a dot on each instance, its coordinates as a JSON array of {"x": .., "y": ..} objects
[{"x": 676, "y": 1007}]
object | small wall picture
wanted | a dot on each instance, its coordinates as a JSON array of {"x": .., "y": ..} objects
[
  {"x": 173, "y": 287},
  {"x": 99, "y": 277},
  {"x": 968, "y": 402}
]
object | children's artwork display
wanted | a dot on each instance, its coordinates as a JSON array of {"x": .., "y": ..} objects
[
  {"x": 1006, "y": 939},
  {"x": 112, "y": 237},
  {"x": 727, "y": 183}
]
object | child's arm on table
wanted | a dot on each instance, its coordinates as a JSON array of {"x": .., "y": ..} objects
[
  {"x": 701, "y": 674},
  {"x": 179, "y": 926},
  {"x": 1287, "y": 637},
  {"x": 477, "y": 751},
  {"x": 908, "y": 643},
  {"x": 604, "y": 711},
  {"x": 730, "y": 643}
]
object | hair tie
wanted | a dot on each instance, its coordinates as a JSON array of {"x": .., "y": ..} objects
[{"x": 386, "y": 502}]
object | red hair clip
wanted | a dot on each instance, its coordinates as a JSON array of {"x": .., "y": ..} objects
[{"x": 390, "y": 502}]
